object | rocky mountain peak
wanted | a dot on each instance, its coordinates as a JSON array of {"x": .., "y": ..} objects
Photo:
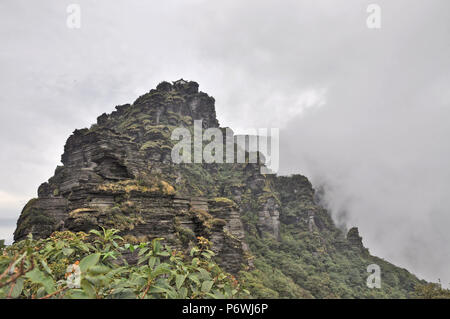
[
  {"x": 176, "y": 104},
  {"x": 119, "y": 174}
]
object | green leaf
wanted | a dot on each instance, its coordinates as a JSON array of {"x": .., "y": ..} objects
[
  {"x": 216, "y": 295},
  {"x": 17, "y": 290},
  {"x": 38, "y": 277},
  {"x": 46, "y": 267},
  {"x": 206, "y": 255},
  {"x": 18, "y": 260},
  {"x": 156, "y": 245},
  {"x": 179, "y": 280},
  {"x": 163, "y": 254},
  {"x": 111, "y": 254},
  {"x": 40, "y": 292},
  {"x": 157, "y": 289},
  {"x": 195, "y": 261},
  {"x": 96, "y": 232},
  {"x": 99, "y": 269},
  {"x": 160, "y": 270},
  {"x": 142, "y": 251},
  {"x": 206, "y": 285},
  {"x": 89, "y": 261},
  {"x": 204, "y": 274},
  {"x": 193, "y": 251},
  {"x": 194, "y": 278},
  {"x": 59, "y": 245},
  {"x": 68, "y": 251},
  {"x": 142, "y": 259},
  {"x": 152, "y": 261},
  {"x": 76, "y": 294},
  {"x": 88, "y": 288},
  {"x": 183, "y": 293},
  {"x": 124, "y": 293}
]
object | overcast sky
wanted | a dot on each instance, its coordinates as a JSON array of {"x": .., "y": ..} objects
[{"x": 364, "y": 112}]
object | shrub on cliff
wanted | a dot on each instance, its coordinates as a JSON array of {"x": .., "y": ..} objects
[{"x": 431, "y": 291}]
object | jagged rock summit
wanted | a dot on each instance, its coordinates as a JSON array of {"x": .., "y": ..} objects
[{"x": 119, "y": 174}]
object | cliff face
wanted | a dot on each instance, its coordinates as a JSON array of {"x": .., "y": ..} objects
[{"x": 119, "y": 174}]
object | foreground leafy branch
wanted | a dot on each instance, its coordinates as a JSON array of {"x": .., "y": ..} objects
[{"x": 80, "y": 265}]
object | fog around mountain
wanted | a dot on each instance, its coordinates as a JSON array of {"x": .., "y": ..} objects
[{"x": 363, "y": 113}]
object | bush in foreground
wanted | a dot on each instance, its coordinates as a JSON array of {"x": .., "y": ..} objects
[{"x": 80, "y": 265}]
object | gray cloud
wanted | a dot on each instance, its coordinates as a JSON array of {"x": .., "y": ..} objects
[{"x": 374, "y": 135}]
